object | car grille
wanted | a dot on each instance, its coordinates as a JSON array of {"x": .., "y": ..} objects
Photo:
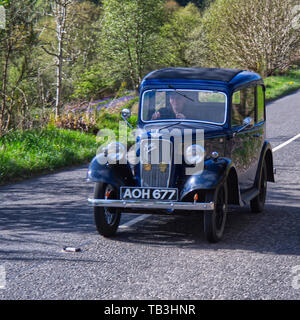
[{"x": 156, "y": 159}]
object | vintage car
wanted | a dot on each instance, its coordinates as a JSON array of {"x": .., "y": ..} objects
[{"x": 201, "y": 146}]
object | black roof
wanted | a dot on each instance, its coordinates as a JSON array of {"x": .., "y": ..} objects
[{"x": 213, "y": 74}]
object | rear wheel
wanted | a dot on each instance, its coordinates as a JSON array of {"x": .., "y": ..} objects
[
  {"x": 258, "y": 203},
  {"x": 214, "y": 221},
  {"x": 107, "y": 220}
]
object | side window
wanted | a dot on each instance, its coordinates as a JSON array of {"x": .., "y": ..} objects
[
  {"x": 249, "y": 97},
  {"x": 243, "y": 106},
  {"x": 260, "y": 104},
  {"x": 236, "y": 117}
]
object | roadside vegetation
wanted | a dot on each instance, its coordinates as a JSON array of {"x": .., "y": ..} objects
[
  {"x": 26, "y": 153},
  {"x": 280, "y": 85},
  {"x": 67, "y": 67}
]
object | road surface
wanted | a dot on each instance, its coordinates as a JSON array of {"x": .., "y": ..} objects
[{"x": 160, "y": 257}]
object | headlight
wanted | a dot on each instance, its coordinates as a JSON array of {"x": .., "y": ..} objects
[
  {"x": 115, "y": 151},
  {"x": 194, "y": 154}
]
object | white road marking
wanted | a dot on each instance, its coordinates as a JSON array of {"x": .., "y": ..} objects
[
  {"x": 286, "y": 143},
  {"x": 134, "y": 221}
]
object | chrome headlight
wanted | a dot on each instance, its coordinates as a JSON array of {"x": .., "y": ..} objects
[
  {"x": 194, "y": 154},
  {"x": 115, "y": 151}
]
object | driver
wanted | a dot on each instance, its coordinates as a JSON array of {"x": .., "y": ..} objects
[{"x": 177, "y": 103}]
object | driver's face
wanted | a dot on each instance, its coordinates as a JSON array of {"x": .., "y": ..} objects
[{"x": 177, "y": 102}]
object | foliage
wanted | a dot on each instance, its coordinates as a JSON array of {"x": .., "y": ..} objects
[
  {"x": 129, "y": 38},
  {"x": 201, "y": 4},
  {"x": 81, "y": 46},
  {"x": 92, "y": 84},
  {"x": 17, "y": 41},
  {"x": 25, "y": 153},
  {"x": 256, "y": 35},
  {"x": 175, "y": 35},
  {"x": 95, "y": 115}
]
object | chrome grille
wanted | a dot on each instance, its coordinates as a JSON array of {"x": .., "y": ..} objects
[{"x": 156, "y": 159}]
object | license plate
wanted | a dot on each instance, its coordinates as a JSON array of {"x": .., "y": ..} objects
[{"x": 140, "y": 193}]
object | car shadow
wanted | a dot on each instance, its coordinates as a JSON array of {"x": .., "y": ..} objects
[
  {"x": 275, "y": 231},
  {"x": 60, "y": 206},
  {"x": 64, "y": 217}
]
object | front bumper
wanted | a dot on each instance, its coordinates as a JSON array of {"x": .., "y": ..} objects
[{"x": 136, "y": 204}]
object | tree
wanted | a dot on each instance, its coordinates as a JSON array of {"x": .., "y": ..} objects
[
  {"x": 59, "y": 9},
  {"x": 82, "y": 39},
  {"x": 80, "y": 52},
  {"x": 201, "y": 4},
  {"x": 130, "y": 31},
  {"x": 258, "y": 35},
  {"x": 16, "y": 43},
  {"x": 176, "y": 35}
]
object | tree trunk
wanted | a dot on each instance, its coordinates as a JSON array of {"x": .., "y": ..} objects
[
  {"x": 58, "y": 102},
  {"x": 61, "y": 18}
]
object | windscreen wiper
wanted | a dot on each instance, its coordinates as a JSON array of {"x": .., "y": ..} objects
[
  {"x": 178, "y": 92},
  {"x": 170, "y": 125}
]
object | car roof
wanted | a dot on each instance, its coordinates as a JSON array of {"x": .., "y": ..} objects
[
  {"x": 210, "y": 74},
  {"x": 232, "y": 77}
]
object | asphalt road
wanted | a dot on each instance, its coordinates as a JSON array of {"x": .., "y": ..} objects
[{"x": 161, "y": 257}]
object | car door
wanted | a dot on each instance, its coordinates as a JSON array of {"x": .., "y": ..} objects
[{"x": 245, "y": 142}]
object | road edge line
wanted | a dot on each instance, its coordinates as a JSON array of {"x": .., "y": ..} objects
[
  {"x": 287, "y": 142},
  {"x": 134, "y": 221}
]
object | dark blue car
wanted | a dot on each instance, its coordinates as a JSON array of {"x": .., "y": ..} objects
[{"x": 201, "y": 146}]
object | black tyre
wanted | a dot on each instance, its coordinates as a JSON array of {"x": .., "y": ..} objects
[
  {"x": 214, "y": 221},
  {"x": 258, "y": 203},
  {"x": 107, "y": 220}
]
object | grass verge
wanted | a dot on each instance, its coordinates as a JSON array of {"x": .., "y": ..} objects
[
  {"x": 281, "y": 85},
  {"x": 26, "y": 154}
]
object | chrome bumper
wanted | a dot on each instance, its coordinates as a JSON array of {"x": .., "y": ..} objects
[{"x": 136, "y": 204}]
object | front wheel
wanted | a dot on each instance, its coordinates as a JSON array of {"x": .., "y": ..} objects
[
  {"x": 107, "y": 220},
  {"x": 214, "y": 221}
]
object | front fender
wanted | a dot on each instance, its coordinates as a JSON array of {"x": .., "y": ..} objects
[
  {"x": 115, "y": 174},
  {"x": 214, "y": 173}
]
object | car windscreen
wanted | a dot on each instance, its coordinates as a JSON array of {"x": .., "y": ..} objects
[{"x": 185, "y": 105}]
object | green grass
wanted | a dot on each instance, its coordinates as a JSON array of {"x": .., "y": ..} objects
[
  {"x": 32, "y": 152},
  {"x": 278, "y": 86}
]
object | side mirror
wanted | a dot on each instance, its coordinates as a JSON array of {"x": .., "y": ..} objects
[
  {"x": 125, "y": 114},
  {"x": 246, "y": 123}
]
